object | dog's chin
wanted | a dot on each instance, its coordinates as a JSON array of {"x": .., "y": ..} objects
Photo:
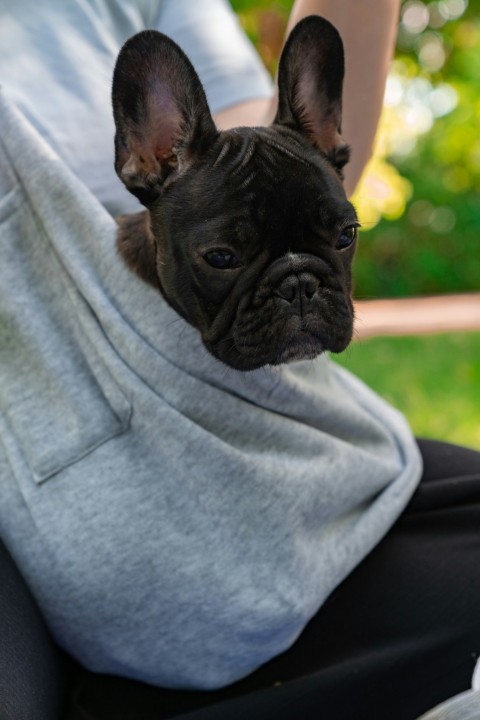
[{"x": 302, "y": 346}]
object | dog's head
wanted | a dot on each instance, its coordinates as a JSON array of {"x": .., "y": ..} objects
[{"x": 249, "y": 234}]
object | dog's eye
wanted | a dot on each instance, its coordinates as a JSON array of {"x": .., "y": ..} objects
[
  {"x": 220, "y": 259},
  {"x": 347, "y": 237}
]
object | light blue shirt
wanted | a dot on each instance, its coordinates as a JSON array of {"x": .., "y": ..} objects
[
  {"x": 178, "y": 522},
  {"x": 57, "y": 59}
]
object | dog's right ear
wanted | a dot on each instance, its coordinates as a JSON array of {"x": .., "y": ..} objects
[
  {"x": 310, "y": 81},
  {"x": 161, "y": 114}
]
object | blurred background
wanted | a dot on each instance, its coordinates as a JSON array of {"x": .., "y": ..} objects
[{"x": 419, "y": 205}]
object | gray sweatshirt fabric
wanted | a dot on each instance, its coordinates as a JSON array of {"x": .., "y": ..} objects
[
  {"x": 178, "y": 522},
  {"x": 465, "y": 706},
  {"x": 56, "y": 64}
]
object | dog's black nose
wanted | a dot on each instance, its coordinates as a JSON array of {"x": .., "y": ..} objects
[{"x": 297, "y": 288}]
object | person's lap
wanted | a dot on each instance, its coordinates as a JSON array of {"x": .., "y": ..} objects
[{"x": 400, "y": 634}]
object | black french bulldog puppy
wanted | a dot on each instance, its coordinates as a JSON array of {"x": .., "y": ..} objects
[{"x": 248, "y": 233}]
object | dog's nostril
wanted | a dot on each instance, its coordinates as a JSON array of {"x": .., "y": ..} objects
[
  {"x": 297, "y": 287},
  {"x": 308, "y": 287},
  {"x": 288, "y": 289}
]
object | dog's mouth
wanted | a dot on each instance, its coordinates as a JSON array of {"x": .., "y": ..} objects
[
  {"x": 271, "y": 330},
  {"x": 246, "y": 355},
  {"x": 303, "y": 346}
]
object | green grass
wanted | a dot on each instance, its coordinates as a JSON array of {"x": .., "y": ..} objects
[{"x": 434, "y": 380}]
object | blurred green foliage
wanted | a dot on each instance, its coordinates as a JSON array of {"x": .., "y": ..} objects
[
  {"x": 419, "y": 199},
  {"x": 432, "y": 379}
]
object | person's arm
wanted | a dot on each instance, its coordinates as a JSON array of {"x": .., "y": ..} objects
[{"x": 368, "y": 29}]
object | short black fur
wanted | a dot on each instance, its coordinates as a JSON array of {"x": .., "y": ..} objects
[{"x": 271, "y": 198}]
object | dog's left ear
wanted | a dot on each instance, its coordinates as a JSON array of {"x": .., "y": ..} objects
[
  {"x": 310, "y": 82},
  {"x": 161, "y": 114}
]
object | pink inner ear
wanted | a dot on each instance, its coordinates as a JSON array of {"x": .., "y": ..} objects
[
  {"x": 327, "y": 137},
  {"x": 320, "y": 119},
  {"x": 163, "y": 124},
  {"x": 141, "y": 167},
  {"x": 151, "y": 147}
]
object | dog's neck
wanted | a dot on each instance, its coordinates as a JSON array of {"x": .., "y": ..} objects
[{"x": 137, "y": 246}]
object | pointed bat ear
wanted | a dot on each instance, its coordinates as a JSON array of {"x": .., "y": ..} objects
[
  {"x": 310, "y": 81},
  {"x": 161, "y": 114}
]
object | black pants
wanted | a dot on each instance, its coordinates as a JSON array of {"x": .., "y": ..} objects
[{"x": 400, "y": 634}]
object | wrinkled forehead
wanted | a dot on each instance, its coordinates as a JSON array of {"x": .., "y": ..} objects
[
  {"x": 278, "y": 168},
  {"x": 272, "y": 155},
  {"x": 268, "y": 177}
]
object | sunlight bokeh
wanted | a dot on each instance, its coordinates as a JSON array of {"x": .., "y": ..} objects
[{"x": 419, "y": 198}]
